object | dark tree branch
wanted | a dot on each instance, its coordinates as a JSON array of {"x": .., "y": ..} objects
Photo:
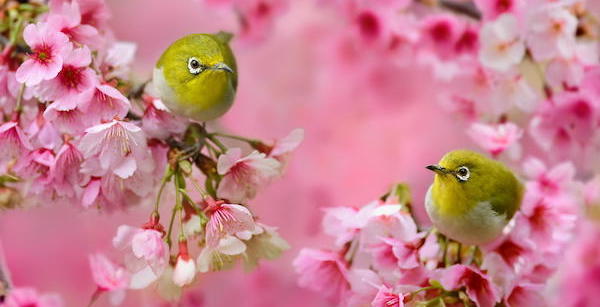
[{"x": 465, "y": 8}]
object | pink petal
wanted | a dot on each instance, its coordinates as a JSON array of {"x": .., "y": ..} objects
[{"x": 91, "y": 192}]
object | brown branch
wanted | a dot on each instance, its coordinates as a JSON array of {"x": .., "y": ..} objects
[{"x": 466, "y": 8}]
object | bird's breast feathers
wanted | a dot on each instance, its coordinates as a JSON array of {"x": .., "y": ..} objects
[{"x": 479, "y": 224}]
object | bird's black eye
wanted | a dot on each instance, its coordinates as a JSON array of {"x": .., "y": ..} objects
[
  {"x": 463, "y": 173},
  {"x": 194, "y": 66}
]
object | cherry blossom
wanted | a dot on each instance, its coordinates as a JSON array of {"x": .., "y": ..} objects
[
  {"x": 479, "y": 288},
  {"x": 552, "y": 33},
  {"x": 109, "y": 277},
  {"x": 64, "y": 172},
  {"x": 105, "y": 104},
  {"x": 323, "y": 271},
  {"x": 146, "y": 253},
  {"x": 491, "y": 9},
  {"x": 501, "y": 44},
  {"x": 495, "y": 139},
  {"x": 243, "y": 176},
  {"x": 23, "y": 297},
  {"x": 226, "y": 219},
  {"x": 67, "y": 19},
  {"x": 49, "y": 48},
  {"x": 13, "y": 140},
  {"x": 117, "y": 146}
]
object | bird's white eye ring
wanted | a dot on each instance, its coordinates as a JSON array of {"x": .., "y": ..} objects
[
  {"x": 194, "y": 66},
  {"x": 463, "y": 173}
]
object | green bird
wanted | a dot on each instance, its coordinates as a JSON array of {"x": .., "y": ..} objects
[
  {"x": 472, "y": 197},
  {"x": 196, "y": 76}
]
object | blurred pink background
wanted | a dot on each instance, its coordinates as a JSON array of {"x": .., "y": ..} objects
[{"x": 363, "y": 133}]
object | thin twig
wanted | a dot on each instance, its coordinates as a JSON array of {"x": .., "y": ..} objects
[{"x": 465, "y": 8}]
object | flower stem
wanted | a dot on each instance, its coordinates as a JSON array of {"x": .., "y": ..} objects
[
  {"x": 19, "y": 106},
  {"x": 235, "y": 137},
  {"x": 423, "y": 289},
  {"x": 166, "y": 178},
  {"x": 169, "y": 241},
  {"x": 95, "y": 296},
  {"x": 216, "y": 141},
  {"x": 177, "y": 207}
]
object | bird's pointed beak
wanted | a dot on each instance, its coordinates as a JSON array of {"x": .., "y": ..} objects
[
  {"x": 222, "y": 66},
  {"x": 438, "y": 169}
]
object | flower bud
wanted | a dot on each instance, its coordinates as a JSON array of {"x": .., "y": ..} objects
[{"x": 185, "y": 267}]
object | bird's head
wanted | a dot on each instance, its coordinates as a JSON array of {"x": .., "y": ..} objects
[
  {"x": 198, "y": 61},
  {"x": 463, "y": 177}
]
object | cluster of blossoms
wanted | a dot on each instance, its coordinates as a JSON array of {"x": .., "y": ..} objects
[
  {"x": 513, "y": 71},
  {"x": 76, "y": 129},
  {"x": 384, "y": 258}
]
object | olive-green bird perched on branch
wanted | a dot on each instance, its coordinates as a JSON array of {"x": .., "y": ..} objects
[
  {"x": 472, "y": 197},
  {"x": 196, "y": 76}
]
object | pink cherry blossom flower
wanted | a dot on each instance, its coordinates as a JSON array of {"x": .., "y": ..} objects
[
  {"x": 36, "y": 164},
  {"x": 42, "y": 132},
  {"x": 323, "y": 271},
  {"x": 220, "y": 256},
  {"x": 344, "y": 223},
  {"x": 468, "y": 41},
  {"x": 242, "y": 177},
  {"x": 512, "y": 90},
  {"x": 430, "y": 251},
  {"x": 110, "y": 191},
  {"x": 286, "y": 145},
  {"x": 495, "y": 139},
  {"x": 117, "y": 146},
  {"x": 75, "y": 78},
  {"x": 567, "y": 123},
  {"x": 364, "y": 285},
  {"x": 226, "y": 219},
  {"x": 516, "y": 248},
  {"x": 159, "y": 123},
  {"x": 263, "y": 243},
  {"x": 440, "y": 32},
  {"x": 580, "y": 270},
  {"x": 68, "y": 21},
  {"x": 394, "y": 253},
  {"x": 185, "y": 267},
  {"x": 479, "y": 288},
  {"x": 552, "y": 33},
  {"x": 527, "y": 295},
  {"x": 257, "y": 17},
  {"x": 13, "y": 140},
  {"x": 66, "y": 116},
  {"x": 387, "y": 297},
  {"x": 64, "y": 172},
  {"x": 109, "y": 277},
  {"x": 26, "y": 297},
  {"x": 146, "y": 253},
  {"x": 48, "y": 51},
  {"x": 570, "y": 71},
  {"x": 93, "y": 12},
  {"x": 548, "y": 219},
  {"x": 501, "y": 44},
  {"x": 389, "y": 220},
  {"x": 377, "y": 25},
  {"x": 499, "y": 272},
  {"x": 491, "y": 9},
  {"x": 117, "y": 60},
  {"x": 548, "y": 182},
  {"x": 105, "y": 104},
  {"x": 9, "y": 89}
]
